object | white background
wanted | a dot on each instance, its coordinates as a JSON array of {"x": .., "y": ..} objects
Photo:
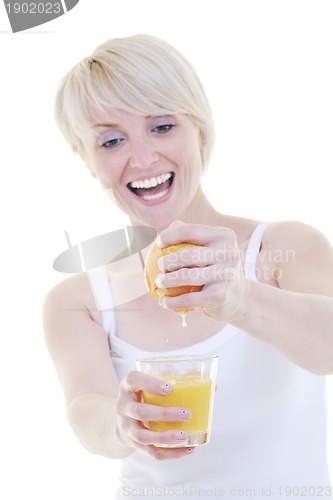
[{"x": 267, "y": 67}]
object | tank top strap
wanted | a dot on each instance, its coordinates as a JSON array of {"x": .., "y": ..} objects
[
  {"x": 253, "y": 250},
  {"x": 100, "y": 286}
]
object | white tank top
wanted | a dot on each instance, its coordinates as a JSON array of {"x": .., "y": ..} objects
[{"x": 269, "y": 430}]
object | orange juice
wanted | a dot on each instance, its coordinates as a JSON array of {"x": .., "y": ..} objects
[{"x": 189, "y": 391}]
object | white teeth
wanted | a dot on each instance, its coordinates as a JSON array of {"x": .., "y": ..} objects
[
  {"x": 154, "y": 196},
  {"x": 152, "y": 182}
]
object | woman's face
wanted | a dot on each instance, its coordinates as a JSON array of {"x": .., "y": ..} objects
[{"x": 152, "y": 163}]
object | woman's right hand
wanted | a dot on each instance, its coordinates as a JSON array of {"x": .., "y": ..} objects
[{"x": 131, "y": 413}]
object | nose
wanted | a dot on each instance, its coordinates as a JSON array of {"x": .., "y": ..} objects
[{"x": 142, "y": 153}]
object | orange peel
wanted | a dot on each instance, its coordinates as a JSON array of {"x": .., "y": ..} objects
[{"x": 152, "y": 270}]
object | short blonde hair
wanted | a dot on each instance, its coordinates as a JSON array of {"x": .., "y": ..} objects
[{"x": 140, "y": 74}]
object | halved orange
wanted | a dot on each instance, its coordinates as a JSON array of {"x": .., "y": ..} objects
[{"x": 152, "y": 270}]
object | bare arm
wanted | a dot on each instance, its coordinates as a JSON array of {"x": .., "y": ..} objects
[
  {"x": 80, "y": 353},
  {"x": 299, "y": 325},
  {"x": 297, "y": 314},
  {"x": 292, "y": 310},
  {"x": 106, "y": 416}
]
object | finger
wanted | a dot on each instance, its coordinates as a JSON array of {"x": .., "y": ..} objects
[
  {"x": 199, "y": 257},
  {"x": 199, "y": 276},
  {"x": 147, "y": 412},
  {"x": 136, "y": 381},
  {"x": 161, "y": 453},
  {"x": 189, "y": 257},
  {"x": 146, "y": 437},
  {"x": 194, "y": 276},
  {"x": 210, "y": 296},
  {"x": 200, "y": 234}
]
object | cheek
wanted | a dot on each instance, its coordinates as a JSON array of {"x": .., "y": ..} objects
[
  {"x": 106, "y": 171},
  {"x": 194, "y": 158},
  {"x": 193, "y": 145},
  {"x": 187, "y": 152}
]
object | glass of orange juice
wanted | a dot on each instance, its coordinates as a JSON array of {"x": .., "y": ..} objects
[{"x": 193, "y": 380}]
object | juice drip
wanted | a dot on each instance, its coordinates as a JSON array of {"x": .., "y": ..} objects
[{"x": 183, "y": 315}]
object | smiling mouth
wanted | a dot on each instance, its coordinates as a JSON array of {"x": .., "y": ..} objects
[{"x": 152, "y": 188}]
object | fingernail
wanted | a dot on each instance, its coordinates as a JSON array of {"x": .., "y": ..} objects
[
  {"x": 166, "y": 388},
  {"x": 158, "y": 241},
  {"x": 180, "y": 435},
  {"x": 184, "y": 414}
]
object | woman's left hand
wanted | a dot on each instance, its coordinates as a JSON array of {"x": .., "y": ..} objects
[{"x": 216, "y": 265}]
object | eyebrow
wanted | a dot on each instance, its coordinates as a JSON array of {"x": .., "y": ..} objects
[{"x": 106, "y": 125}]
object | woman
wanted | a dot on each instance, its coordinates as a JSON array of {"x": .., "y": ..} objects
[{"x": 137, "y": 114}]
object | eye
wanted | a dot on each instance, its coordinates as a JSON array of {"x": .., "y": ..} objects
[
  {"x": 163, "y": 129},
  {"x": 112, "y": 143},
  {"x": 162, "y": 124}
]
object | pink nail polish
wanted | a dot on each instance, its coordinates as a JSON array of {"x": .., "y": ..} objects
[
  {"x": 166, "y": 388},
  {"x": 184, "y": 414},
  {"x": 180, "y": 435}
]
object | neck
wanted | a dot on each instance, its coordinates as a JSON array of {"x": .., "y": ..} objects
[{"x": 201, "y": 211}]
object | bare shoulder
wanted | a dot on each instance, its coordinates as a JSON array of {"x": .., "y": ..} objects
[
  {"x": 73, "y": 290},
  {"x": 286, "y": 235},
  {"x": 300, "y": 255},
  {"x": 68, "y": 303}
]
